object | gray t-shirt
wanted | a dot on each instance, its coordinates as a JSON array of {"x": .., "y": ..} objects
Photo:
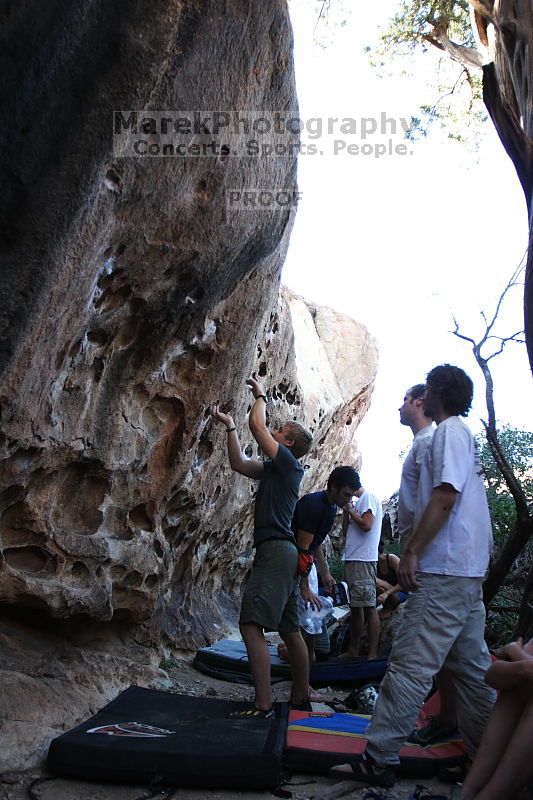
[
  {"x": 277, "y": 496},
  {"x": 410, "y": 478}
]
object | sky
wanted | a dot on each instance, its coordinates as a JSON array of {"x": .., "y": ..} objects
[{"x": 398, "y": 241}]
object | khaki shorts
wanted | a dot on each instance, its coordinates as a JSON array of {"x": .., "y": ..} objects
[
  {"x": 361, "y": 579},
  {"x": 269, "y": 598}
]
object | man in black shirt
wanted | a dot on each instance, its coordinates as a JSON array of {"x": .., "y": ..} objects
[
  {"x": 269, "y": 600},
  {"x": 312, "y": 521}
]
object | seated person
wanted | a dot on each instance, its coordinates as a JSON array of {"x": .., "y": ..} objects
[
  {"x": 388, "y": 589},
  {"x": 503, "y": 763}
]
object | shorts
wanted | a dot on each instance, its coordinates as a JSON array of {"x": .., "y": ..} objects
[
  {"x": 361, "y": 579},
  {"x": 269, "y": 598}
]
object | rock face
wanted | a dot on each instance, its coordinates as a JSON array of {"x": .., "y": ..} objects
[
  {"x": 131, "y": 297},
  {"x": 131, "y": 301},
  {"x": 111, "y": 540},
  {"x": 389, "y": 528}
]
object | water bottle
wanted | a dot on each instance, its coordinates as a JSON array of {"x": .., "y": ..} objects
[{"x": 311, "y": 620}]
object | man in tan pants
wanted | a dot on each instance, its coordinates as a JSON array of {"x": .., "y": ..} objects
[{"x": 443, "y": 564}]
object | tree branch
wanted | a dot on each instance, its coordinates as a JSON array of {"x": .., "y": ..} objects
[
  {"x": 507, "y": 125},
  {"x": 467, "y": 56},
  {"x": 504, "y": 341},
  {"x": 523, "y": 523},
  {"x": 484, "y": 8},
  {"x": 323, "y": 6},
  {"x": 513, "y": 280}
]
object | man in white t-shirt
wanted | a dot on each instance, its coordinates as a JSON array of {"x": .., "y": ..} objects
[
  {"x": 442, "y": 567},
  {"x": 361, "y": 525}
]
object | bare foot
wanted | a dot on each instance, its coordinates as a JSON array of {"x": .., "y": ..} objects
[{"x": 282, "y": 651}]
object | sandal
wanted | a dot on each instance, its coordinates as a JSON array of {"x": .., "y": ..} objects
[
  {"x": 305, "y": 706},
  {"x": 252, "y": 712},
  {"x": 454, "y": 774},
  {"x": 366, "y": 771},
  {"x": 417, "y": 794}
]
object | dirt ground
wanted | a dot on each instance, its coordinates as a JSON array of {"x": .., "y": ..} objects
[{"x": 37, "y": 784}]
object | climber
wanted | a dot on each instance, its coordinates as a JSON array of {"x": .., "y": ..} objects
[{"x": 269, "y": 600}]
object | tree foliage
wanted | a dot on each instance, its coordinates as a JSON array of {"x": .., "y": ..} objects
[
  {"x": 517, "y": 446},
  {"x": 443, "y": 31},
  {"x": 504, "y": 610},
  {"x": 502, "y": 31}
]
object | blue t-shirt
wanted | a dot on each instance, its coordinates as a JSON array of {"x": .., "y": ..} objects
[
  {"x": 277, "y": 496},
  {"x": 314, "y": 514}
]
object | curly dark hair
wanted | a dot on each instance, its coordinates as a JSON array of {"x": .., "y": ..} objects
[
  {"x": 454, "y": 388},
  {"x": 344, "y": 476}
]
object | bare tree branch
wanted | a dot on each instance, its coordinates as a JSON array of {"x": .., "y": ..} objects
[
  {"x": 523, "y": 524},
  {"x": 457, "y": 333},
  {"x": 513, "y": 281},
  {"x": 322, "y": 9},
  {"x": 483, "y": 360}
]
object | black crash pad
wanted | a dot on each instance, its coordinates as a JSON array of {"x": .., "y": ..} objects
[
  {"x": 227, "y": 660},
  {"x": 154, "y": 737}
]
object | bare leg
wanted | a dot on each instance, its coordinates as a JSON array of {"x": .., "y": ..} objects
[
  {"x": 299, "y": 660},
  {"x": 356, "y": 631},
  {"x": 373, "y": 628},
  {"x": 448, "y": 709},
  {"x": 502, "y": 724},
  {"x": 516, "y": 767},
  {"x": 259, "y": 660},
  {"x": 310, "y": 644}
]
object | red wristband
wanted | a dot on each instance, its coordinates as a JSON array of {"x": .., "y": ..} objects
[{"x": 305, "y": 562}]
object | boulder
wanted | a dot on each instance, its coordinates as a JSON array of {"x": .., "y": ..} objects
[{"x": 133, "y": 297}]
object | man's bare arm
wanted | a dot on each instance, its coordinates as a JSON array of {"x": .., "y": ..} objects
[
  {"x": 249, "y": 467},
  {"x": 503, "y": 675},
  {"x": 257, "y": 421},
  {"x": 323, "y": 568},
  {"x": 363, "y": 521}
]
